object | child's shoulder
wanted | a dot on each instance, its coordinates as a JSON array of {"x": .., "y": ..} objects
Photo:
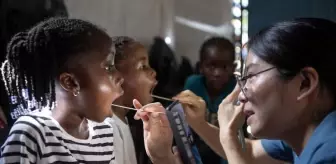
[
  {"x": 195, "y": 77},
  {"x": 32, "y": 126},
  {"x": 194, "y": 80}
]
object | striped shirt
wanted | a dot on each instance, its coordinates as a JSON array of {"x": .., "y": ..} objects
[{"x": 38, "y": 138}]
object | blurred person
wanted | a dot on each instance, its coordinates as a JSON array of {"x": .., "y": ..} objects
[
  {"x": 132, "y": 62},
  {"x": 213, "y": 84}
]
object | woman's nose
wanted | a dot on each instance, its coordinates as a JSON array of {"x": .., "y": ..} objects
[{"x": 242, "y": 97}]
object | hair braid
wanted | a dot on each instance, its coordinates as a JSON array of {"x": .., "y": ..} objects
[{"x": 35, "y": 58}]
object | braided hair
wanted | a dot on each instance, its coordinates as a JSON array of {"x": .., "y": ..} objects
[
  {"x": 36, "y": 57},
  {"x": 121, "y": 43}
]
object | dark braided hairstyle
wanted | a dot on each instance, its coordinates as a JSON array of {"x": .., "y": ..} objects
[
  {"x": 36, "y": 57},
  {"x": 121, "y": 43}
]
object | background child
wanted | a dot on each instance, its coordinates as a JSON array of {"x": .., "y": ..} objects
[
  {"x": 214, "y": 83},
  {"x": 140, "y": 80},
  {"x": 132, "y": 62}
]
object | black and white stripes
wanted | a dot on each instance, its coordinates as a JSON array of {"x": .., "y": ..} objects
[{"x": 38, "y": 138}]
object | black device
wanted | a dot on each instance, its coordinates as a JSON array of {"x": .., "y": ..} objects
[{"x": 181, "y": 131}]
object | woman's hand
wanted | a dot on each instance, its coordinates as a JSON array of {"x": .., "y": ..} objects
[
  {"x": 158, "y": 136},
  {"x": 177, "y": 157},
  {"x": 194, "y": 107},
  {"x": 230, "y": 115}
]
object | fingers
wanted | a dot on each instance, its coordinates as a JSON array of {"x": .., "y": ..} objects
[
  {"x": 230, "y": 107},
  {"x": 154, "y": 108},
  {"x": 175, "y": 150},
  {"x": 233, "y": 95},
  {"x": 152, "y": 115},
  {"x": 143, "y": 111},
  {"x": 140, "y": 114},
  {"x": 186, "y": 100},
  {"x": 137, "y": 104},
  {"x": 157, "y": 126},
  {"x": 158, "y": 120},
  {"x": 188, "y": 97},
  {"x": 177, "y": 156},
  {"x": 156, "y": 115},
  {"x": 186, "y": 93},
  {"x": 227, "y": 103},
  {"x": 239, "y": 108}
]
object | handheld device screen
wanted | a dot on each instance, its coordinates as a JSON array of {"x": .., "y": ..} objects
[{"x": 182, "y": 134}]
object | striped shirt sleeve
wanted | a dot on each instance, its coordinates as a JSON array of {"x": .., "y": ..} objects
[{"x": 21, "y": 145}]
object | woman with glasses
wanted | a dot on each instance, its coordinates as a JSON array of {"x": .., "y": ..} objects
[{"x": 287, "y": 92}]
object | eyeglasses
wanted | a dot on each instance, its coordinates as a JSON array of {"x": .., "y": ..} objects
[{"x": 241, "y": 80}]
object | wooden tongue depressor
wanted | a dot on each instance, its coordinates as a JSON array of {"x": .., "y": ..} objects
[
  {"x": 162, "y": 98},
  {"x": 129, "y": 108},
  {"x": 125, "y": 107}
]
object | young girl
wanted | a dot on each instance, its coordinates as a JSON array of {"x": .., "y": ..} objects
[
  {"x": 132, "y": 61},
  {"x": 67, "y": 66}
]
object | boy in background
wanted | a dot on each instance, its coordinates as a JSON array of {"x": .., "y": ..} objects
[{"x": 213, "y": 84}]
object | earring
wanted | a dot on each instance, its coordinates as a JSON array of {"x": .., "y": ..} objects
[{"x": 76, "y": 93}]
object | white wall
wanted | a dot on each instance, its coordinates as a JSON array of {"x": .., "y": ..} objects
[
  {"x": 135, "y": 18},
  {"x": 207, "y": 12},
  {"x": 144, "y": 19}
]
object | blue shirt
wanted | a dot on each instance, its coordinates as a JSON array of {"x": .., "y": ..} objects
[
  {"x": 321, "y": 147},
  {"x": 196, "y": 154},
  {"x": 196, "y": 84},
  {"x": 278, "y": 150}
]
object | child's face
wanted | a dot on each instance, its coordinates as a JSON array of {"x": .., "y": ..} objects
[
  {"x": 99, "y": 84},
  {"x": 217, "y": 67},
  {"x": 139, "y": 76}
]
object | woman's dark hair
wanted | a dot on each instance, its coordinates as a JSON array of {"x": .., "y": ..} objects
[
  {"x": 36, "y": 57},
  {"x": 219, "y": 42},
  {"x": 292, "y": 45}
]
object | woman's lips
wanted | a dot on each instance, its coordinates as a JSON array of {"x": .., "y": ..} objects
[{"x": 248, "y": 114}]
